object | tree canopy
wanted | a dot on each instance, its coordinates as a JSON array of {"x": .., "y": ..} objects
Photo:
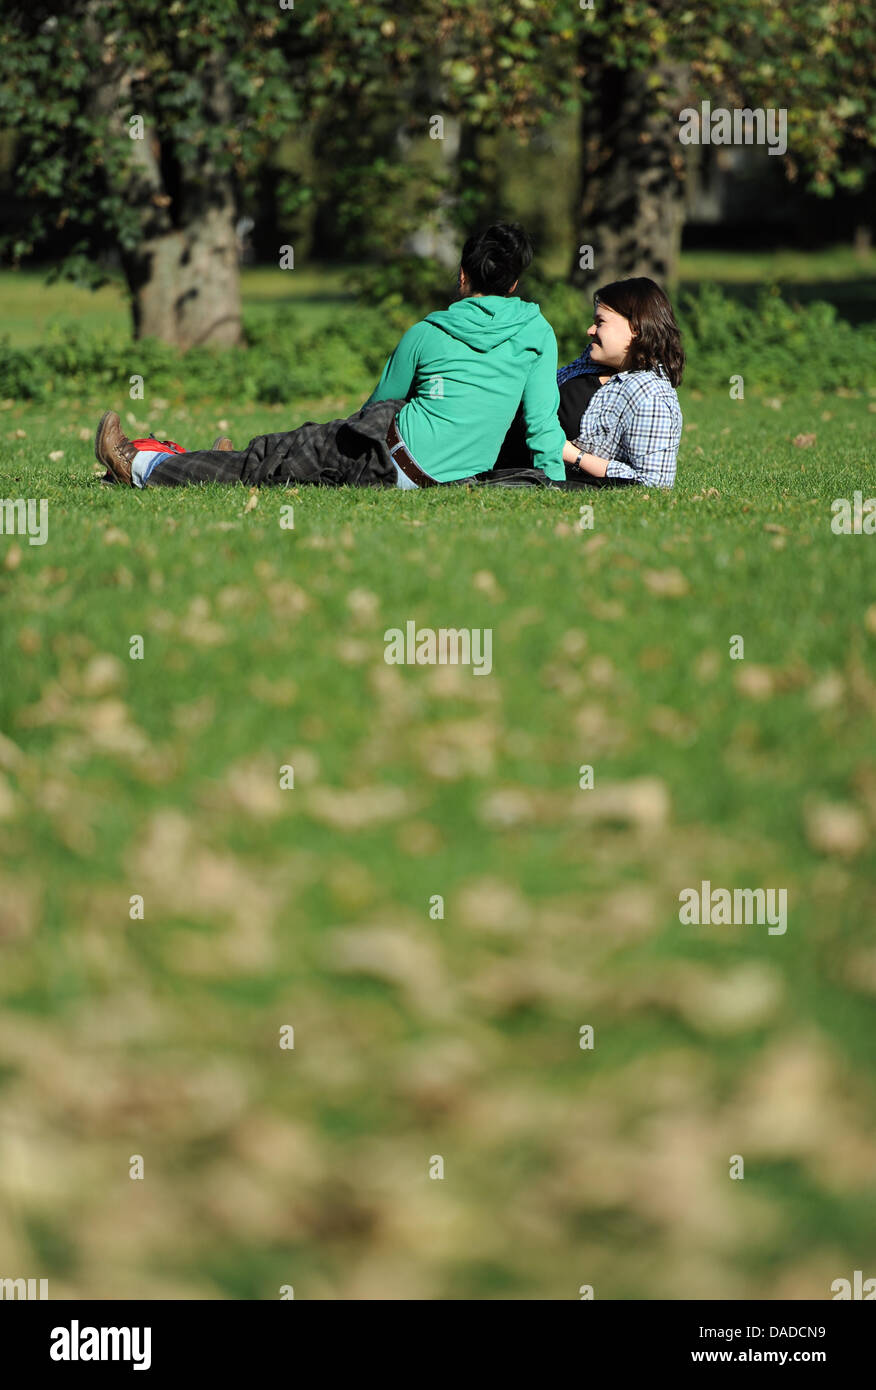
[{"x": 143, "y": 129}]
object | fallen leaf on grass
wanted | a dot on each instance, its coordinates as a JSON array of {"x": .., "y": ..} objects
[
  {"x": 491, "y": 905},
  {"x": 357, "y": 809},
  {"x": 642, "y": 801},
  {"x": 364, "y": 605},
  {"x": 669, "y": 583},
  {"x": 485, "y": 582},
  {"x": 827, "y": 692},
  {"x": 836, "y": 828},
  {"x": 395, "y": 955},
  {"x": 103, "y": 674},
  {"x": 757, "y": 682},
  {"x": 11, "y": 756}
]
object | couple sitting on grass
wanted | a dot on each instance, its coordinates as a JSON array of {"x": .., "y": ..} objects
[{"x": 472, "y": 395}]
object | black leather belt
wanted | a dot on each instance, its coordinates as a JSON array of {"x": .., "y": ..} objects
[{"x": 399, "y": 454}]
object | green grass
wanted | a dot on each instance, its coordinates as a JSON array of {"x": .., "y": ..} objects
[
  {"x": 838, "y": 275},
  {"x": 453, "y": 1036},
  {"x": 29, "y": 305},
  {"x": 790, "y": 267}
]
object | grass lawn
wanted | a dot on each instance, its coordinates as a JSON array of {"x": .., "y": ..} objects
[
  {"x": 839, "y": 275},
  {"x": 30, "y": 307},
  {"x": 415, "y": 1034}
]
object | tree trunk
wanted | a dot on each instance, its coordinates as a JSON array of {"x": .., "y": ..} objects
[
  {"x": 632, "y": 175},
  {"x": 185, "y": 284},
  {"x": 183, "y": 274}
]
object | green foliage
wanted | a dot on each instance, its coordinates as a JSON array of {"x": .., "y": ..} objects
[
  {"x": 405, "y": 287},
  {"x": 218, "y": 85},
  {"x": 280, "y": 364},
  {"x": 775, "y": 345},
  {"x": 212, "y": 82},
  {"x": 813, "y": 60}
]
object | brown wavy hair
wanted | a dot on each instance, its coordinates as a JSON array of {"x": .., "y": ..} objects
[{"x": 658, "y": 341}]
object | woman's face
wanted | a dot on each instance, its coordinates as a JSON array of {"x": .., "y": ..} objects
[{"x": 610, "y": 337}]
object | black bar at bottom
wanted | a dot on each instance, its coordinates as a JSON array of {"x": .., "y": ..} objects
[{"x": 64, "y": 1339}]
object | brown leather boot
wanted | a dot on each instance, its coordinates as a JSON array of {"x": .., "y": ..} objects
[
  {"x": 113, "y": 448},
  {"x": 223, "y": 444}
]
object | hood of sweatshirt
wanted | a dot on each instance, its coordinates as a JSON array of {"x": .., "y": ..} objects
[{"x": 485, "y": 321}]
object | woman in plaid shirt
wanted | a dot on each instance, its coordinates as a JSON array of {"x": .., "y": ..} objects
[{"x": 631, "y": 429}]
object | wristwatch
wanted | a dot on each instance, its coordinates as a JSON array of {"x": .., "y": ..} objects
[{"x": 579, "y": 458}]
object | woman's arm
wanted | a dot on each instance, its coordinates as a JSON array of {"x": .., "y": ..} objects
[{"x": 588, "y": 463}]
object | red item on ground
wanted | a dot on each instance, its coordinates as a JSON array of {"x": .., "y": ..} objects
[{"x": 165, "y": 446}]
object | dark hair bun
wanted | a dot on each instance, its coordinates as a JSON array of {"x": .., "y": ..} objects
[{"x": 495, "y": 258}]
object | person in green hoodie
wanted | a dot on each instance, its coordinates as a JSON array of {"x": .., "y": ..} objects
[
  {"x": 438, "y": 414},
  {"x": 463, "y": 371}
]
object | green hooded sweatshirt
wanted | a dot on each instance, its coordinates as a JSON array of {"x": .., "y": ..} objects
[{"x": 463, "y": 371}]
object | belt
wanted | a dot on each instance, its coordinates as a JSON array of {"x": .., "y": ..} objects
[{"x": 398, "y": 452}]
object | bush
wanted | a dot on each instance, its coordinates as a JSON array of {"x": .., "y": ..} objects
[
  {"x": 773, "y": 346},
  {"x": 279, "y": 364},
  {"x": 410, "y": 285}
]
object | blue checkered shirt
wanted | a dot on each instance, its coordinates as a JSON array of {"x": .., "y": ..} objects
[{"x": 634, "y": 421}]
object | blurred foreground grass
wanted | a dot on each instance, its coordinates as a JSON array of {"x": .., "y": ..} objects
[{"x": 418, "y": 1035}]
